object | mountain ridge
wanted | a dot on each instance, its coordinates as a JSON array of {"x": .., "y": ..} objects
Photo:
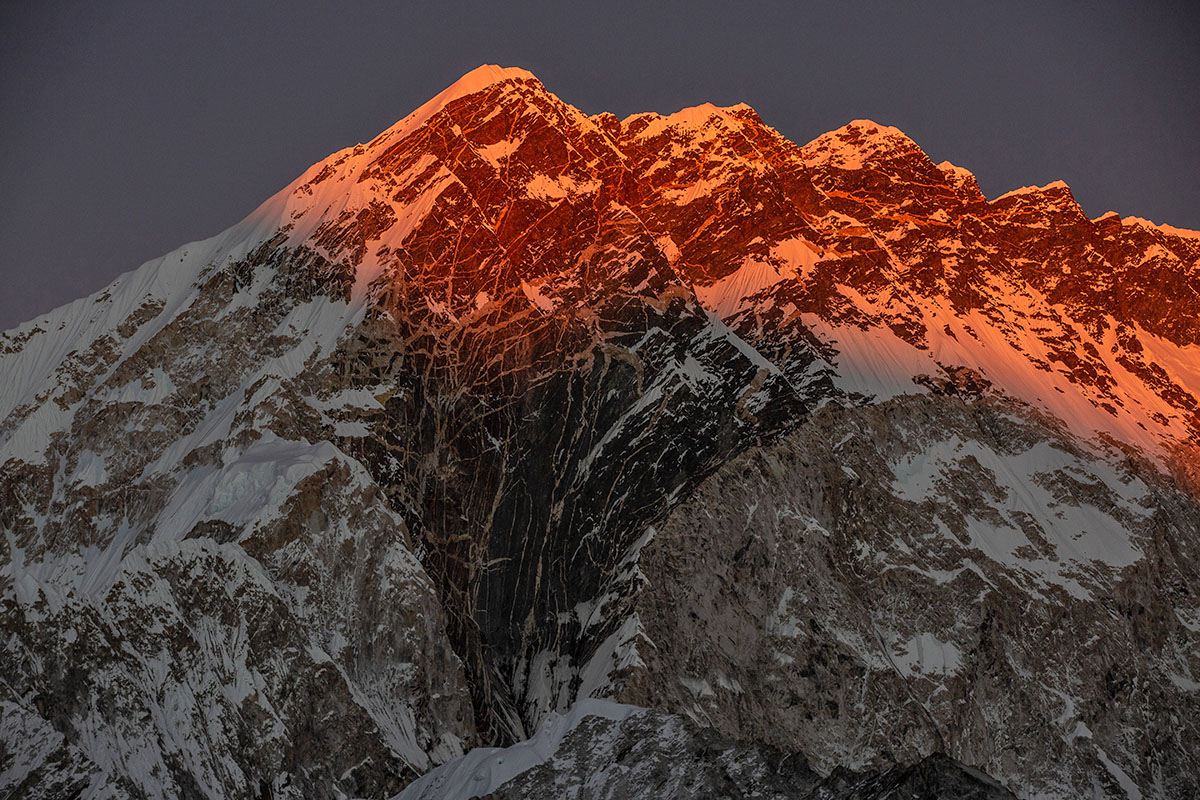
[{"x": 284, "y": 210}]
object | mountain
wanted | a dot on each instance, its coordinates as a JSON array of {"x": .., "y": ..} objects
[{"x": 815, "y": 452}]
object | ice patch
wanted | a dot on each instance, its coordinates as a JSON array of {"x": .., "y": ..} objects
[
  {"x": 726, "y": 296},
  {"x": 538, "y": 299},
  {"x": 543, "y": 187},
  {"x": 927, "y": 655},
  {"x": 251, "y": 485}
]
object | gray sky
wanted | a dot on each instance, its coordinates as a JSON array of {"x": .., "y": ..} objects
[{"x": 130, "y": 128}]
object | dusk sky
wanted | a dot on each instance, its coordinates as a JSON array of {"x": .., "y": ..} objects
[{"x": 131, "y": 128}]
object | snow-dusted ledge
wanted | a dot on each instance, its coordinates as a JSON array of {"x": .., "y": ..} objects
[{"x": 485, "y": 769}]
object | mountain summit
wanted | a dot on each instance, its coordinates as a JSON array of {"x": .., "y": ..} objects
[{"x": 714, "y": 443}]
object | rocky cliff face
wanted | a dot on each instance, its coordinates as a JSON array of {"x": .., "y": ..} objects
[
  {"x": 814, "y": 447},
  {"x": 606, "y": 750}
]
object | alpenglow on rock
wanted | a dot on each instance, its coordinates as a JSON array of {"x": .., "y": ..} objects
[{"x": 863, "y": 484}]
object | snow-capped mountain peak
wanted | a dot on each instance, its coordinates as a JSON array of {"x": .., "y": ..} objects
[{"x": 814, "y": 449}]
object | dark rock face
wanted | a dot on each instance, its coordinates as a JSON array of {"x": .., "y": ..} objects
[
  {"x": 784, "y": 609},
  {"x": 656, "y": 755},
  {"x": 815, "y": 446}
]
